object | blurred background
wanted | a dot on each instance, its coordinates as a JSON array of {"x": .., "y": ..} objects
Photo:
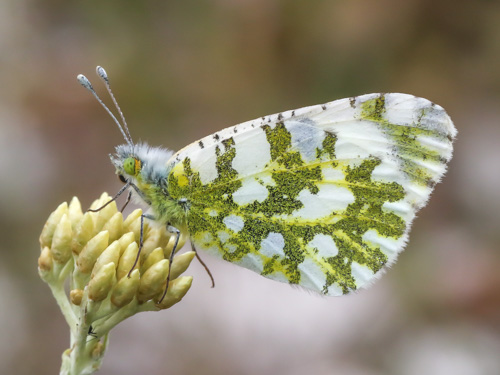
[{"x": 182, "y": 70}]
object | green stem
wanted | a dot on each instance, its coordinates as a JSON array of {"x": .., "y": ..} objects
[
  {"x": 86, "y": 353},
  {"x": 62, "y": 300},
  {"x": 85, "y": 356},
  {"x": 115, "y": 318}
]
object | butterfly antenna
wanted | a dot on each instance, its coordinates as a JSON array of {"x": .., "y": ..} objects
[
  {"x": 104, "y": 77},
  {"x": 86, "y": 83}
]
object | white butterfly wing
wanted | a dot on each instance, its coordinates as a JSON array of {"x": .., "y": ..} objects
[{"x": 321, "y": 196}]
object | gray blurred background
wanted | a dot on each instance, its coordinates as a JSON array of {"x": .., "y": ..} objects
[{"x": 184, "y": 69}]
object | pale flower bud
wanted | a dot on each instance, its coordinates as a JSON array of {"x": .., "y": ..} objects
[
  {"x": 84, "y": 231},
  {"x": 110, "y": 255},
  {"x": 91, "y": 252},
  {"x": 102, "y": 282},
  {"x": 177, "y": 289},
  {"x": 61, "y": 241},
  {"x": 45, "y": 261},
  {"x": 127, "y": 260},
  {"x": 171, "y": 244},
  {"x": 154, "y": 257},
  {"x": 106, "y": 211},
  {"x": 125, "y": 289},
  {"x": 50, "y": 226},
  {"x": 135, "y": 227},
  {"x": 75, "y": 296},
  {"x": 125, "y": 241},
  {"x": 75, "y": 213},
  {"x": 153, "y": 281},
  {"x": 114, "y": 226},
  {"x": 101, "y": 201},
  {"x": 181, "y": 263},
  {"x": 134, "y": 215},
  {"x": 155, "y": 237}
]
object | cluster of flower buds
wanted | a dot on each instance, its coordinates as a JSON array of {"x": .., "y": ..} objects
[{"x": 97, "y": 252}]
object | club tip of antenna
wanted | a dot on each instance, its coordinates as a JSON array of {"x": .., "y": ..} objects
[
  {"x": 101, "y": 73},
  {"x": 84, "y": 82}
]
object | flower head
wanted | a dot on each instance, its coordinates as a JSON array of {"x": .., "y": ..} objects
[{"x": 109, "y": 279}]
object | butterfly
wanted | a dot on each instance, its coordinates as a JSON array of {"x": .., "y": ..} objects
[{"x": 322, "y": 197}]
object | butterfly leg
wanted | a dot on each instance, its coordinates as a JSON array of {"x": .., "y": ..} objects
[
  {"x": 113, "y": 199},
  {"x": 203, "y": 264},
  {"x": 177, "y": 234},
  {"x": 141, "y": 241},
  {"x": 127, "y": 201}
]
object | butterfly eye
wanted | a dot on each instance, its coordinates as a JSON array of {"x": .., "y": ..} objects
[
  {"x": 132, "y": 166},
  {"x": 122, "y": 179}
]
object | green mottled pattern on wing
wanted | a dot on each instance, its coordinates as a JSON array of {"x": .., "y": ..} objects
[{"x": 322, "y": 197}]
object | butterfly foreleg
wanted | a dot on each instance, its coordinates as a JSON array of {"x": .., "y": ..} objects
[
  {"x": 129, "y": 195},
  {"x": 114, "y": 198}
]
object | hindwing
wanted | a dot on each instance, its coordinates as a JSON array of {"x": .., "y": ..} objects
[{"x": 321, "y": 196}]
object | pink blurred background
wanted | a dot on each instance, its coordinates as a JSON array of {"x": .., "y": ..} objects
[{"x": 182, "y": 70}]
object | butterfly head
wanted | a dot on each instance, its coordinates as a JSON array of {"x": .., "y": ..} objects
[
  {"x": 141, "y": 162},
  {"x": 127, "y": 164}
]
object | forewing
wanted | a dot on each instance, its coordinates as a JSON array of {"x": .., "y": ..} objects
[{"x": 321, "y": 196}]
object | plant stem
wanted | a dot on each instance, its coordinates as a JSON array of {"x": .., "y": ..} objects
[{"x": 64, "y": 304}]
